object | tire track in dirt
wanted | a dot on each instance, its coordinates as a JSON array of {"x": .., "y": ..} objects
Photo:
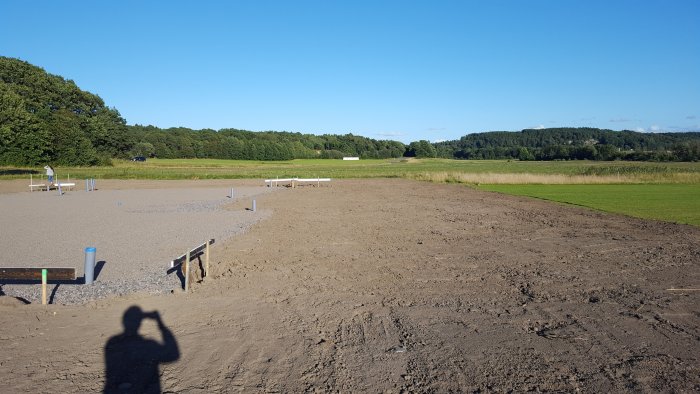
[{"x": 401, "y": 286}]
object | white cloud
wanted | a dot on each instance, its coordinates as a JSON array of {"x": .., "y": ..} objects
[
  {"x": 438, "y": 141},
  {"x": 538, "y": 127},
  {"x": 654, "y": 128}
]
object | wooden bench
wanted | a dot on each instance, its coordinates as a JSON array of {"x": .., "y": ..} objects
[
  {"x": 40, "y": 186},
  {"x": 294, "y": 181},
  {"x": 183, "y": 262},
  {"x": 38, "y": 274},
  {"x": 43, "y": 186},
  {"x": 32, "y": 274},
  {"x": 47, "y": 186},
  {"x": 69, "y": 185}
]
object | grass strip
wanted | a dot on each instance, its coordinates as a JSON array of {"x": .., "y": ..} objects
[
  {"x": 679, "y": 203},
  {"x": 425, "y": 169}
]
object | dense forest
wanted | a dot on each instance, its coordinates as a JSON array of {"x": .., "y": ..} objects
[
  {"x": 44, "y": 118},
  {"x": 573, "y": 144},
  {"x": 47, "y": 119},
  {"x": 248, "y": 145}
]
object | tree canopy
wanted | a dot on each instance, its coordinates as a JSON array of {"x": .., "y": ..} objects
[
  {"x": 573, "y": 144},
  {"x": 45, "y": 118}
]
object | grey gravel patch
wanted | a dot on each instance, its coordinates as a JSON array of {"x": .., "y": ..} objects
[{"x": 136, "y": 233}]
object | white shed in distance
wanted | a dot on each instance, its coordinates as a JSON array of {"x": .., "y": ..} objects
[{"x": 351, "y": 158}]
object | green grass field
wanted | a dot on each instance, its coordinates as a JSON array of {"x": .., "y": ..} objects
[
  {"x": 663, "y": 191},
  {"x": 391, "y": 168},
  {"x": 669, "y": 202}
]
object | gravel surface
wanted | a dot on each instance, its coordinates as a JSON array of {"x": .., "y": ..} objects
[{"x": 136, "y": 233}]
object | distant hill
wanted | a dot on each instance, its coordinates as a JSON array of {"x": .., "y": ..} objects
[
  {"x": 249, "y": 145},
  {"x": 45, "y": 118},
  {"x": 573, "y": 143}
]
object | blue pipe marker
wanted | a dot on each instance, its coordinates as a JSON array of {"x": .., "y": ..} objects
[{"x": 89, "y": 265}]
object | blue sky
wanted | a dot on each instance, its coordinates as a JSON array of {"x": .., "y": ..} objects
[{"x": 402, "y": 70}]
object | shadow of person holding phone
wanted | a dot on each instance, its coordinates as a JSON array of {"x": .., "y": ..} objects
[{"x": 131, "y": 361}]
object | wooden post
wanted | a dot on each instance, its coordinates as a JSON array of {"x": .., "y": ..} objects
[
  {"x": 187, "y": 272},
  {"x": 43, "y": 286},
  {"x": 206, "y": 260}
]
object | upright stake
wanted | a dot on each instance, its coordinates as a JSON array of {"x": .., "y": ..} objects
[
  {"x": 206, "y": 260},
  {"x": 58, "y": 183},
  {"x": 231, "y": 193},
  {"x": 89, "y": 267},
  {"x": 43, "y": 286},
  {"x": 187, "y": 272},
  {"x": 87, "y": 186},
  {"x": 254, "y": 207}
]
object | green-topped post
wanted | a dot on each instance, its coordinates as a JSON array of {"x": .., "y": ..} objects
[{"x": 43, "y": 286}]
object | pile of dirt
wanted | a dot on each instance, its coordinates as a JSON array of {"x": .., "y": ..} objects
[{"x": 397, "y": 286}]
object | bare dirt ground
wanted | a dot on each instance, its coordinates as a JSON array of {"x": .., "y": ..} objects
[{"x": 392, "y": 286}]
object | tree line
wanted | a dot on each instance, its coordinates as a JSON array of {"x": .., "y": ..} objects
[
  {"x": 248, "y": 145},
  {"x": 45, "y": 118},
  {"x": 583, "y": 143}
]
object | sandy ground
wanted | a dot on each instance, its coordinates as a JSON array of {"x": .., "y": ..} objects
[
  {"x": 392, "y": 286},
  {"x": 136, "y": 232}
]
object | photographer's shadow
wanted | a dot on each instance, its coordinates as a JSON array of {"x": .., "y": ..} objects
[{"x": 131, "y": 361}]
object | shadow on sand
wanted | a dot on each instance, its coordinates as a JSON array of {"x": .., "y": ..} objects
[{"x": 131, "y": 361}]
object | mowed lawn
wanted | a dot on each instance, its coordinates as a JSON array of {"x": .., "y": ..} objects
[{"x": 669, "y": 202}]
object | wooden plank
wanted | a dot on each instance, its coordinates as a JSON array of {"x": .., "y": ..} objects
[
  {"x": 313, "y": 179},
  {"x": 298, "y": 180},
  {"x": 187, "y": 273},
  {"x": 196, "y": 252},
  {"x": 206, "y": 260},
  {"x": 40, "y": 186},
  {"x": 35, "y": 273}
]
